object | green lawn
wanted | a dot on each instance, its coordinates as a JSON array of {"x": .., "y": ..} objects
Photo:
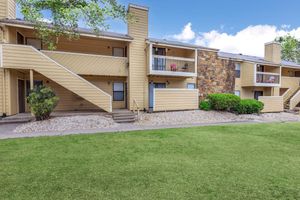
[{"x": 221, "y": 162}]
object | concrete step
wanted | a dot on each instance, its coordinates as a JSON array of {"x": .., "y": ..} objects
[
  {"x": 124, "y": 117},
  {"x": 14, "y": 121},
  {"x": 124, "y": 120}
]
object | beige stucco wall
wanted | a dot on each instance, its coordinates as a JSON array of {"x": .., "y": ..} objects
[{"x": 138, "y": 81}]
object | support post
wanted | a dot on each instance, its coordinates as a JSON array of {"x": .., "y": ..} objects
[{"x": 31, "y": 79}]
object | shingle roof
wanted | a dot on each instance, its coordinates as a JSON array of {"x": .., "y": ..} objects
[
  {"x": 177, "y": 43},
  {"x": 255, "y": 59},
  {"x": 80, "y": 30}
]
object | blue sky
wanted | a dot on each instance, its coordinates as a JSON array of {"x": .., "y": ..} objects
[{"x": 219, "y": 23}]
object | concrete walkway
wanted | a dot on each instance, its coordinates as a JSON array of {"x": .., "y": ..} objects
[{"x": 6, "y": 131}]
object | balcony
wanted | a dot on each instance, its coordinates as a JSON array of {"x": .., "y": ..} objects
[
  {"x": 172, "y": 66},
  {"x": 165, "y": 59},
  {"x": 265, "y": 78},
  {"x": 260, "y": 75}
]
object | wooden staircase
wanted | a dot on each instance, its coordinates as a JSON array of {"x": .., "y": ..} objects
[
  {"x": 27, "y": 57},
  {"x": 287, "y": 101},
  {"x": 124, "y": 116}
]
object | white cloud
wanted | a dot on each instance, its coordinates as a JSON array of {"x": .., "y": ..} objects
[
  {"x": 247, "y": 41},
  {"x": 187, "y": 33}
]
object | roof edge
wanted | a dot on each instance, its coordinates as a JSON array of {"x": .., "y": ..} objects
[{"x": 138, "y": 7}]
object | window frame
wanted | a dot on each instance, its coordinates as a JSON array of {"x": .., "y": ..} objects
[
  {"x": 113, "y": 50},
  {"x": 32, "y": 38},
  {"x": 194, "y": 86},
  {"x": 237, "y": 71},
  {"x": 118, "y": 91},
  {"x": 237, "y": 91}
]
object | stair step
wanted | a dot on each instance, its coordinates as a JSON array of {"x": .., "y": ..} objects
[
  {"x": 14, "y": 121},
  {"x": 125, "y": 120},
  {"x": 124, "y": 117}
]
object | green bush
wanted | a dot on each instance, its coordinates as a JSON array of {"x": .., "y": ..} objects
[
  {"x": 42, "y": 101},
  {"x": 249, "y": 106},
  {"x": 223, "y": 102},
  {"x": 205, "y": 105}
]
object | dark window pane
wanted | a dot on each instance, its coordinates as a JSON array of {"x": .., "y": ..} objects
[
  {"x": 237, "y": 73},
  {"x": 118, "y": 96}
]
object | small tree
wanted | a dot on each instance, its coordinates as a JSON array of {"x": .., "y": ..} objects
[
  {"x": 42, "y": 101},
  {"x": 290, "y": 48}
]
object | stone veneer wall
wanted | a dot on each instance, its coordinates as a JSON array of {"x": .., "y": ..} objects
[{"x": 215, "y": 75}]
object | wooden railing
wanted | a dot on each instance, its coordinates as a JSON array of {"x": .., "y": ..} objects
[
  {"x": 295, "y": 100},
  {"x": 136, "y": 109},
  {"x": 90, "y": 64},
  {"x": 26, "y": 57},
  {"x": 272, "y": 103},
  {"x": 167, "y": 99}
]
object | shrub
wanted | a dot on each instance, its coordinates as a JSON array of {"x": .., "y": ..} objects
[
  {"x": 42, "y": 101},
  {"x": 223, "y": 102},
  {"x": 205, "y": 105},
  {"x": 249, "y": 106}
]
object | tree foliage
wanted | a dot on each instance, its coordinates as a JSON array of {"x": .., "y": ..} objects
[
  {"x": 290, "y": 48},
  {"x": 65, "y": 16}
]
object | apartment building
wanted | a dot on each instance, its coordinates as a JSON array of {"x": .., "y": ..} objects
[
  {"x": 123, "y": 71},
  {"x": 269, "y": 79},
  {"x": 96, "y": 72}
]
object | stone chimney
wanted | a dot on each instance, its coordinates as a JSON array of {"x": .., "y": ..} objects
[
  {"x": 273, "y": 52},
  {"x": 7, "y": 9}
]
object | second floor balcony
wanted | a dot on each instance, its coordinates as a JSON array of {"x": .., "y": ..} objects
[
  {"x": 267, "y": 78},
  {"x": 260, "y": 75},
  {"x": 166, "y": 59},
  {"x": 167, "y": 65}
]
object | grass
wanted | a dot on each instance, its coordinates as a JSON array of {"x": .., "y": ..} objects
[{"x": 221, "y": 162}]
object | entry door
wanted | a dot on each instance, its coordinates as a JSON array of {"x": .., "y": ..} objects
[
  {"x": 21, "y": 95},
  {"x": 151, "y": 91},
  {"x": 258, "y": 94}
]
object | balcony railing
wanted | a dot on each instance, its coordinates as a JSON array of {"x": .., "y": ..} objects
[
  {"x": 173, "y": 65},
  {"x": 267, "y": 78}
]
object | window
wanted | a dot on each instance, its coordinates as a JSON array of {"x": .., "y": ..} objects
[
  {"x": 237, "y": 70},
  {"x": 35, "y": 84},
  {"x": 118, "y": 52},
  {"x": 257, "y": 94},
  {"x": 260, "y": 68},
  {"x": 20, "y": 38},
  {"x": 237, "y": 93},
  {"x": 118, "y": 91},
  {"x": 159, "y": 63},
  {"x": 36, "y": 43},
  {"x": 191, "y": 86}
]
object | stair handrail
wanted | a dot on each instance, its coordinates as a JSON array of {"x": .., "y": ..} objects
[
  {"x": 136, "y": 109},
  {"x": 58, "y": 64},
  {"x": 295, "y": 100}
]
